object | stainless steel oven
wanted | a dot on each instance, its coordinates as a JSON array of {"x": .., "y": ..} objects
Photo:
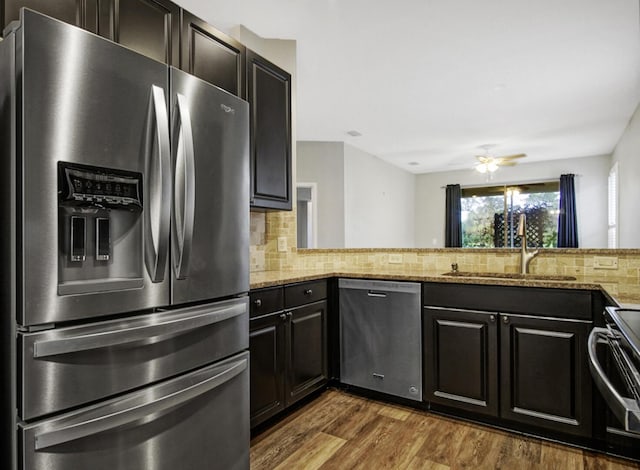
[{"x": 614, "y": 360}]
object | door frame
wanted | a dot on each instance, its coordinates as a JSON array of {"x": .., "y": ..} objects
[{"x": 312, "y": 213}]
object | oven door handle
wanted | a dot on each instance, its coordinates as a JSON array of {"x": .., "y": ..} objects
[
  {"x": 71, "y": 432},
  {"x": 167, "y": 328},
  {"x": 625, "y": 409}
]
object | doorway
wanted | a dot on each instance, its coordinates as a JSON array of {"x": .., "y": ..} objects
[{"x": 307, "y": 213}]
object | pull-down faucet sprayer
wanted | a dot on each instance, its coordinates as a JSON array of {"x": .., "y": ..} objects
[{"x": 525, "y": 255}]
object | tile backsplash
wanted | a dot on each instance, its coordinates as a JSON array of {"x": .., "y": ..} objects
[
  {"x": 258, "y": 241},
  {"x": 267, "y": 227}
]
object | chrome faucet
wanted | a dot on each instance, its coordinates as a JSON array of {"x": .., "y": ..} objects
[{"x": 525, "y": 255}]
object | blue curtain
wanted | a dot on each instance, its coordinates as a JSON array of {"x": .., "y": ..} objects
[
  {"x": 567, "y": 224},
  {"x": 453, "y": 223}
]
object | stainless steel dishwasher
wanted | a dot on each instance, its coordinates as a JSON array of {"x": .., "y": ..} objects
[{"x": 381, "y": 337}]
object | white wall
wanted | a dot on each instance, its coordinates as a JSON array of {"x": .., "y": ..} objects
[
  {"x": 379, "y": 202},
  {"x": 591, "y": 195},
  {"x": 363, "y": 201},
  {"x": 627, "y": 154},
  {"x": 323, "y": 163}
]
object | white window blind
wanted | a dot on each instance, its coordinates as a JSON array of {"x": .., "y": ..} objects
[{"x": 612, "y": 231}]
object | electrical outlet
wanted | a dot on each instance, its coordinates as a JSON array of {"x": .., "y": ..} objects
[
  {"x": 605, "y": 262},
  {"x": 395, "y": 258},
  {"x": 282, "y": 244}
]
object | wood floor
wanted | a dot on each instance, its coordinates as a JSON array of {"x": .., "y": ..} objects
[{"x": 342, "y": 431}]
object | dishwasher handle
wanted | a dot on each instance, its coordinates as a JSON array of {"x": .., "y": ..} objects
[{"x": 373, "y": 293}]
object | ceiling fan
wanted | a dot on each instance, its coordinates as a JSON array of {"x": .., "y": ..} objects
[{"x": 489, "y": 164}]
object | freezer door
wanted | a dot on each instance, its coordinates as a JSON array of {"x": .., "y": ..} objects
[
  {"x": 86, "y": 100},
  {"x": 69, "y": 367},
  {"x": 210, "y": 156},
  {"x": 193, "y": 422}
]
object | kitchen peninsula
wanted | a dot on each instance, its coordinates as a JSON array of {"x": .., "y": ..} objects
[{"x": 543, "y": 302}]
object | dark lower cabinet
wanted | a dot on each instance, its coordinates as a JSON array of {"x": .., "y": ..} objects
[
  {"x": 545, "y": 377},
  {"x": 288, "y": 346},
  {"x": 527, "y": 372},
  {"x": 307, "y": 350},
  {"x": 212, "y": 55},
  {"x": 269, "y": 96},
  {"x": 267, "y": 339},
  {"x": 461, "y": 359},
  {"x": 82, "y": 13},
  {"x": 150, "y": 27}
]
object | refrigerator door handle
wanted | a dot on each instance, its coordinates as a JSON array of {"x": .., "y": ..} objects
[
  {"x": 157, "y": 208},
  {"x": 201, "y": 316},
  {"x": 184, "y": 187},
  {"x": 95, "y": 425}
]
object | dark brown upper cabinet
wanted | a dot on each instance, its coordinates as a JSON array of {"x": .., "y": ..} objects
[
  {"x": 82, "y": 13},
  {"x": 211, "y": 55},
  {"x": 269, "y": 96},
  {"x": 150, "y": 27}
]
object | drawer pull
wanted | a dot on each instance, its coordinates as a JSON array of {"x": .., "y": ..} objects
[
  {"x": 154, "y": 405},
  {"x": 308, "y": 292},
  {"x": 257, "y": 303},
  {"x": 159, "y": 325}
]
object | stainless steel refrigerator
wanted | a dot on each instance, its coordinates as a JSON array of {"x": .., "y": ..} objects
[{"x": 124, "y": 258}]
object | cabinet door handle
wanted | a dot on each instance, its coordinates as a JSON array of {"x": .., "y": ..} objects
[
  {"x": 308, "y": 292},
  {"x": 289, "y": 314},
  {"x": 257, "y": 303},
  {"x": 492, "y": 318},
  {"x": 283, "y": 316},
  {"x": 505, "y": 320}
]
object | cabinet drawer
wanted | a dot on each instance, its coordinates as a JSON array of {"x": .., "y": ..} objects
[
  {"x": 265, "y": 301},
  {"x": 304, "y": 293},
  {"x": 549, "y": 302}
]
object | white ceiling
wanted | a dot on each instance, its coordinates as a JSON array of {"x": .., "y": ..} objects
[{"x": 429, "y": 81}]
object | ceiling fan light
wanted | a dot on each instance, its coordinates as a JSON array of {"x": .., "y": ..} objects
[
  {"x": 492, "y": 166},
  {"x": 481, "y": 167}
]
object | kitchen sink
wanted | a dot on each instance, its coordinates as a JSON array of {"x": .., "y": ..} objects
[{"x": 533, "y": 277}]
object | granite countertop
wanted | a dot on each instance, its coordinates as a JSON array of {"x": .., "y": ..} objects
[{"x": 275, "y": 278}]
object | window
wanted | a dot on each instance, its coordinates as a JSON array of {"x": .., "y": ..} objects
[
  {"x": 490, "y": 215},
  {"x": 612, "y": 228}
]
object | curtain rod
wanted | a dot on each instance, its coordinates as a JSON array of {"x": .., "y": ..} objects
[{"x": 513, "y": 183}]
